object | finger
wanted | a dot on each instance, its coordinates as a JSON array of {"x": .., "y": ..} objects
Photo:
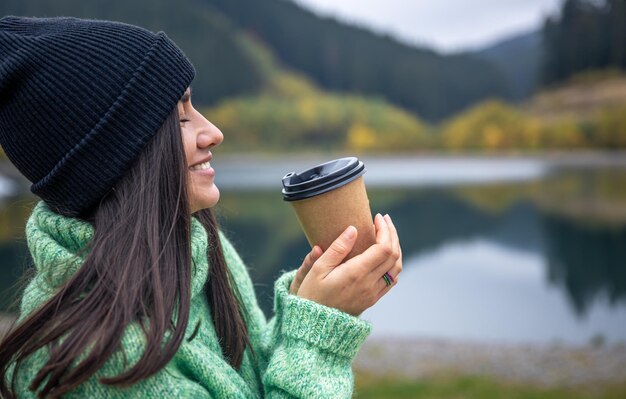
[
  {"x": 382, "y": 293},
  {"x": 383, "y": 287},
  {"x": 374, "y": 257},
  {"x": 307, "y": 263},
  {"x": 338, "y": 250},
  {"x": 394, "y": 235},
  {"x": 382, "y": 230},
  {"x": 393, "y": 256},
  {"x": 377, "y": 255},
  {"x": 304, "y": 269},
  {"x": 387, "y": 264},
  {"x": 311, "y": 257},
  {"x": 316, "y": 252},
  {"x": 397, "y": 269}
]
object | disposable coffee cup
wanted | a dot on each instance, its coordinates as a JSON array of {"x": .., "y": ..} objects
[{"x": 327, "y": 199}]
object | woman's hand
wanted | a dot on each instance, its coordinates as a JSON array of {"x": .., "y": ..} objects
[
  {"x": 357, "y": 284},
  {"x": 304, "y": 269}
]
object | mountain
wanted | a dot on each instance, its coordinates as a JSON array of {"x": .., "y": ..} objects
[
  {"x": 228, "y": 40},
  {"x": 342, "y": 57},
  {"x": 519, "y": 58}
]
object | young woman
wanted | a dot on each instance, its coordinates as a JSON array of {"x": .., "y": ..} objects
[{"x": 137, "y": 293}]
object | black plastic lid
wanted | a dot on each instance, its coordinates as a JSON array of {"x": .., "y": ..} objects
[{"x": 321, "y": 178}]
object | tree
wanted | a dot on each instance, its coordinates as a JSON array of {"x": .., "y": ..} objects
[{"x": 589, "y": 34}]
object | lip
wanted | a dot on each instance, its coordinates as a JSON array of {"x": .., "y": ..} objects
[
  {"x": 205, "y": 172},
  {"x": 208, "y": 158}
]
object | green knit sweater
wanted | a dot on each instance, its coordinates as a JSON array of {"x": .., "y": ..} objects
[{"x": 304, "y": 351}]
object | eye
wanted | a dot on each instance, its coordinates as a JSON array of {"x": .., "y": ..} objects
[{"x": 183, "y": 120}]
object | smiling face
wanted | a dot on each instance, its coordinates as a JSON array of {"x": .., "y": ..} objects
[{"x": 199, "y": 136}]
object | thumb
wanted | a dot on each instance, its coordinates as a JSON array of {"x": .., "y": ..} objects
[{"x": 338, "y": 250}]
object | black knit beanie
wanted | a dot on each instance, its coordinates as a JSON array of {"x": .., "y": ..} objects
[{"x": 80, "y": 99}]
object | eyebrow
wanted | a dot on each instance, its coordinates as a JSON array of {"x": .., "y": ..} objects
[{"x": 186, "y": 96}]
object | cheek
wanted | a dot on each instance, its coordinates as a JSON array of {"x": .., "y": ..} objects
[
  {"x": 193, "y": 182},
  {"x": 188, "y": 145}
]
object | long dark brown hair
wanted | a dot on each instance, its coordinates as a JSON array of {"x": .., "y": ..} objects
[{"x": 138, "y": 267}]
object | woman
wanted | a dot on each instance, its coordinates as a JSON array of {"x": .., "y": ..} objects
[{"x": 137, "y": 293}]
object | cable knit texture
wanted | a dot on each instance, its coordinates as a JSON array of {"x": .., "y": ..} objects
[{"x": 304, "y": 351}]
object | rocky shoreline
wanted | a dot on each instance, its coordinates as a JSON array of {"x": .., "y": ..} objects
[{"x": 553, "y": 365}]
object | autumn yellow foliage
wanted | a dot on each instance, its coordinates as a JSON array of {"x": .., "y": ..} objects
[
  {"x": 610, "y": 127},
  {"x": 494, "y": 125},
  {"x": 293, "y": 114}
]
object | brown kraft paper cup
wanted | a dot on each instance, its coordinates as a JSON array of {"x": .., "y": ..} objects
[{"x": 334, "y": 198}]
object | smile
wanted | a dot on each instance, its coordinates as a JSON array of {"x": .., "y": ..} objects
[
  {"x": 202, "y": 166},
  {"x": 203, "y": 170}
]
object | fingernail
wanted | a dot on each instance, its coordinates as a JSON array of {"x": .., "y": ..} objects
[{"x": 349, "y": 232}]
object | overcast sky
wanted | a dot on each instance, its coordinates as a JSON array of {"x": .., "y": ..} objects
[{"x": 446, "y": 25}]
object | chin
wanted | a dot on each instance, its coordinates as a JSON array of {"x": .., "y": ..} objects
[{"x": 206, "y": 202}]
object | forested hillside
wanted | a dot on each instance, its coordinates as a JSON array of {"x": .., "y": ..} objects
[
  {"x": 222, "y": 39},
  {"x": 519, "y": 59},
  {"x": 587, "y": 35},
  {"x": 274, "y": 76},
  {"x": 346, "y": 58}
]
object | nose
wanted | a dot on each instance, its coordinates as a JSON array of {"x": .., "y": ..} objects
[{"x": 208, "y": 135}]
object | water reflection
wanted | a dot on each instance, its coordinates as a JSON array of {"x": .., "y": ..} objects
[
  {"x": 478, "y": 289},
  {"x": 526, "y": 259},
  {"x": 584, "y": 262},
  {"x": 587, "y": 262}
]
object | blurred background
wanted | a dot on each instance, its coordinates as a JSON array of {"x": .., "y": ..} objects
[{"x": 493, "y": 132}]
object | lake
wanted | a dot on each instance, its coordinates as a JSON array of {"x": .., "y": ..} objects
[{"x": 509, "y": 249}]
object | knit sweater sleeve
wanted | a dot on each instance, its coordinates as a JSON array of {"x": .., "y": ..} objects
[{"x": 306, "y": 349}]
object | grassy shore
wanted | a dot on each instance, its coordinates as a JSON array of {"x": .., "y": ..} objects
[
  {"x": 473, "y": 387},
  {"x": 394, "y": 367}
]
